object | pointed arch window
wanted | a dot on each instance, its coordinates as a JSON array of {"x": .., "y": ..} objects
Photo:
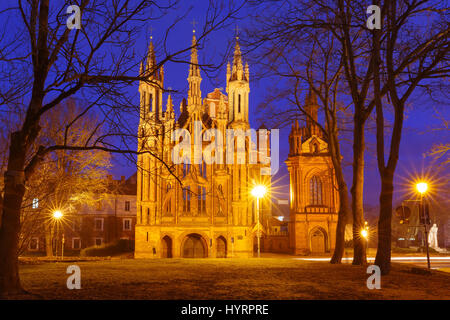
[
  {"x": 169, "y": 202},
  {"x": 201, "y": 199},
  {"x": 315, "y": 188},
  {"x": 150, "y": 103},
  {"x": 239, "y": 103},
  {"x": 187, "y": 199},
  {"x": 186, "y": 167},
  {"x": 144, "y": 104}
]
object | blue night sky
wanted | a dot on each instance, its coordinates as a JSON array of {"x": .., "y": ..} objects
[{"x": 418, "y": 134}]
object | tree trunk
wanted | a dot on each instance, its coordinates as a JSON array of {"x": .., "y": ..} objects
[
  {"x": 359, "y": 248},
  {"x": 344, "y": 208},
  {"x": 383, "y": 257},
  {"x": 10, "y": 228},
  {"x": 340, "y": 229}
]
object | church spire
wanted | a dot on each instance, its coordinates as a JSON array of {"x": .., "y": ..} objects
[
  {"x": 151, "y": 58},
  {"x": 169, "y": 108},
  {"x": 151, "y": 64},
  {"x": 237, "y": 71},
  {"x": 194, "y": 70},
  {"x": 238, "y": 89},
  {"x": 194, "y": 78}
]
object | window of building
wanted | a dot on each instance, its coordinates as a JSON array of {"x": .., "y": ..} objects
[
  {"x": 34, "y": 244},
  {"x": 76, "y": 223},
  {"x": 187, "y": 199},
  {"x": 186, "y": 167},
  {"x": 127, "y": 205},
  {"x": 315, "y": 186},
  {"x": 144, "y": 97},
  {"x": 126, "y": 224},
  {"x": 98, "y": 224},
  {"x": 99, "y": 206},
  {"x": 201, "y": 199},
  {"x": 35, "y": 204},
  {"x": 76, "y": 243},
  {"x": 168, "y": 207},
  {"x": 204, "y": 169},
  {"x": 98, "y": 241},
  {"x": 150, "y": 103},
  {"x": 239, "y": 103}
]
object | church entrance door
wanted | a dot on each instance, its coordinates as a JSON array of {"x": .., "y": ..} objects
[
  {"x": 221, "y": 250},
  {"x": 317, "y": 242},
  {"x": 166, "y": 245},
  {"x": 194, "y": 247}
]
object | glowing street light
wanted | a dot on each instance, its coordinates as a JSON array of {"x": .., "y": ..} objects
[
  {"x": 258, "y": 192},
  {"x": 57, "y": 214},
  {"x": 364, "y": 233},
  {"x": 422, "y": 187}
]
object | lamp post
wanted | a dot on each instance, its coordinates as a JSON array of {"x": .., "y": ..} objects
[
  {"x": 57, "y": 215},
  {"x": 365, "y": 234},
  {"x": 422, "y": 188},
  {"x": 258, "y": 192}
]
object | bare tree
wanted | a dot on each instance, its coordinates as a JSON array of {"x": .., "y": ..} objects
[
  {"x": 315, "y": 68},
  {"x": 96, "y": 62},
  {"x": 405, "y": 56},
  {"x": 299, "y": 19},
  {"x": 63, "y": 180},
  {"x": 379, "y": 66}
]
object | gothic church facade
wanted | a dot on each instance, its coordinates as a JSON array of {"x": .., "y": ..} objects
[
  {"x": 195, "y": 209},
  {"x": 314, "y": 197}
]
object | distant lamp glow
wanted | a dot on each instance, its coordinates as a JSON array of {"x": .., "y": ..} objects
[
  {"x": 57, "y": 214},
  {"x": 259, "y": 191},
  {"x": 422, "y": 187},
  {"x": 364, "y": 233}
]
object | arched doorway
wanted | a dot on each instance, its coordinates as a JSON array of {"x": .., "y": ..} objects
[
  {"x": 166, "y": 247},
  {"x": 194, "y": 247},
  {"x": 318, "y": 241},
  {"x": 221, "y": 247}
]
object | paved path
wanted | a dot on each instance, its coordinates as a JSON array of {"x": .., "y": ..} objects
[{"x": 437, "y": 262}]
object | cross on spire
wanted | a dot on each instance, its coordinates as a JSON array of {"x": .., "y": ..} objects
[
  {"x": 193, "y": 24},
  {"x": 151, "y": 32},
  {"x": 237, "y": 31}
]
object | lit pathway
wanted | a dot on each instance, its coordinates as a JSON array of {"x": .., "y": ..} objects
[{"x": 436, "y": 262}]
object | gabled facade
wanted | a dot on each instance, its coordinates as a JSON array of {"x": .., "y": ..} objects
[
  {"x": 314, "y": 198},
  {"x": 195, "y": 208}
]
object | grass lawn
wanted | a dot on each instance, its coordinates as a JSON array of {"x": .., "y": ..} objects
[{"x": 265, "y": 278}]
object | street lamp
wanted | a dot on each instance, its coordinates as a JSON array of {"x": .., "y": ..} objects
[
  {"x": 57, "y": 215},
  {"x": 365, "y": 234},
  {"x": 422, "y": 188},
  {"x": 258, "y": 192}
]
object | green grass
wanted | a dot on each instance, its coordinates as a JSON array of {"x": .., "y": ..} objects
[{"x": 266, "y": 278}]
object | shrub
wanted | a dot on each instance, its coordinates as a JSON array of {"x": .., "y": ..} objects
[
  {"x": 403, "y": 250},
  {"x": 110, "y": 249}
]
